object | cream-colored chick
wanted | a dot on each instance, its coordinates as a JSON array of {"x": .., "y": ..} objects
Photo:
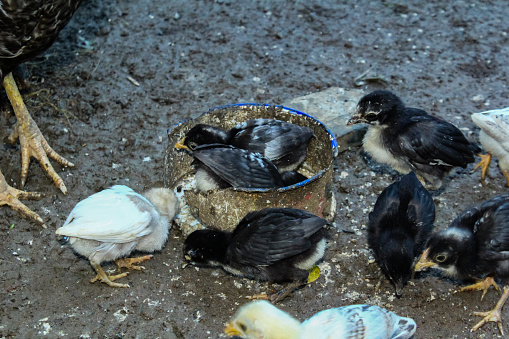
[
  {"x": 262, "y": 320},
  {"x": 494, "y": 137},
  {"x": 110, "y": 224}
]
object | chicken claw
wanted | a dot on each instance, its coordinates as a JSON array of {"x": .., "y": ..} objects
[
  {"x": 482, "y": 285},
  {"x": 130, "y": 263},
  {"x": 103, "y": 277},
  {"x": 33, "y": 143},
  {"x": 10, "y": 196}
]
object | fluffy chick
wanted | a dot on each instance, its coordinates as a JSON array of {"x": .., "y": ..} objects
[
  {"x": 409, "y": 139},
  {"x": 220, "y": 166},
  {"x": 273, "y": 244},
  {"x": 260, "y": 319},
  {"x": 281, "y": 142},
  {"x": 494, "y": 137},
  {"x": 399, "y": 227},
  {"x": 475, "y": 247},
  {"x": 110, "y": 224}
]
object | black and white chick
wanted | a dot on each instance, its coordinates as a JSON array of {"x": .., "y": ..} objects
[
  {"x": 273, "y": 244},
  {"x": 109, "y": 225},
  {"x": 409, "y": 139},
  {"x": 494, "y": 137},
  {"x": 283, "y": 143},
  {"x": 261, "y": 319},
  {"x": 220, "y": 166},
  {"x": 475, "y": 247},
  {"x": 399, "y": 227}
]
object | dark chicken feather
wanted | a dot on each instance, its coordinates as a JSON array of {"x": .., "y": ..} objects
[
  {"x": 409, "y": 139},
  {"x": 237, "y": 167},
  {"x": 399, "y": 227},
  {"x": 475, "y": 247},
  {"x": 283, "y": 143},
  {"x": 274, "y": 244}
]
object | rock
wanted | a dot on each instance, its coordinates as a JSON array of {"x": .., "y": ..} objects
[{"x": 333, "y": 107}]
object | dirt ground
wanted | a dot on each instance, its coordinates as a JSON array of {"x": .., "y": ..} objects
[{"x": 185, "y": 57}]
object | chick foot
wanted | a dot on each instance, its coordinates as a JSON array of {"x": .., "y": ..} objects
[
  {"x": 103, "y": 277},
  {"x": 314, "y": 273},
  {"x": 494, "y": 315},
  {"x": 33, "y": 143},
  {"x": 10, "y": 196},
  {"x": 131, "y": 263},
  {"x": 482, "y": 285},
  {"x": 484, "y": 164},
  {"x": 506, "y": 175}
]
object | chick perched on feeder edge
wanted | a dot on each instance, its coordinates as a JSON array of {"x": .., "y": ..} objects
[
  {"x": 494, "y": 137},
  {"x": 475, "y": 247},
  {"x": 110, "y": 224},
  {"x": 260, "y": 319},
  {"x": 220, "y": 166},
  {"x": 399, "y": 227},
  {"x": 273, "y": 244},
  {"x": 409, "y": 139},
  {"x": 283, "y": 143}
]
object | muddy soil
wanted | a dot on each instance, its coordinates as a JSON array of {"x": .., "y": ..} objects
[{"x": 123, "y": 72}]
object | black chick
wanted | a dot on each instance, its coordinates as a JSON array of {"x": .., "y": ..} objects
[
  {"x": 220, "y": 166},
  {"x": 399, "y": 227},
  {"x": 283, "y": 143},
  {"x": 475, "y": 247},
  {"x": 409, "y": 139},
  {"x": 274, "y": 244},
  {"x": 28, "y": 28}
]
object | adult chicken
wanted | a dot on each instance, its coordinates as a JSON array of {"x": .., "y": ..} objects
[{"x": 27, "y": 29}]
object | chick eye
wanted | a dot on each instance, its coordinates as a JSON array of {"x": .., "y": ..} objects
[
  {"x": 243, "y": 327},
  {"x": 440, "y": 258},
  {"x": 371, "y": 116}
]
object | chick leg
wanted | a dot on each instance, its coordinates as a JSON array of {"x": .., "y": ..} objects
[
  {"x": 484, "y": 164},
  {"x": 494, "y": 315},
  {"x": 482, "y": 285},
  {"x": 103, "y": 277},
  {"x": 33, "y": 143},
  {"x": 313, "y": 274},
  {"x": 130, "y": 263},
  {"x": 9, "y": 196},
  {"x": 506, "y": 175}
]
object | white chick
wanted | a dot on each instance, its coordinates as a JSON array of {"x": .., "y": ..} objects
[
  {"x": 261, "y": 319},
  {"x": 494, "y": 137},
  {"x": 110, "y": 224}
]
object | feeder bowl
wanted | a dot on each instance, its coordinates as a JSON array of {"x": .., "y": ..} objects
[{"x": 223, "y": 208}]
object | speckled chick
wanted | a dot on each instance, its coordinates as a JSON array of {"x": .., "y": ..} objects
[
  {"x": 494, "y": 137},
  {"x": 260, "y": 319},
  {"x": 283, "y": 143},
  {"x": 110, "y": 224},
  {"x": 399, "y": 227},
  {"x": 409, "y": 139}
]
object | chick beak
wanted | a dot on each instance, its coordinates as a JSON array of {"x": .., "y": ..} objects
[
  {"x": 231, "y": 331},
  {"x": 424, "y": 262},
  {"x": 399, "y": 290},
  {"x": 357, "y": 118},
  {"x": 180, "y": 144}
]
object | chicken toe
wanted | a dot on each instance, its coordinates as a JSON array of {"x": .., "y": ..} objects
[
  {"x": 103, "y": 277},
  {"x": 10, "y": 196},
  {"x": 33, "y": 143},
  {"x": 131, "y": 263}
]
